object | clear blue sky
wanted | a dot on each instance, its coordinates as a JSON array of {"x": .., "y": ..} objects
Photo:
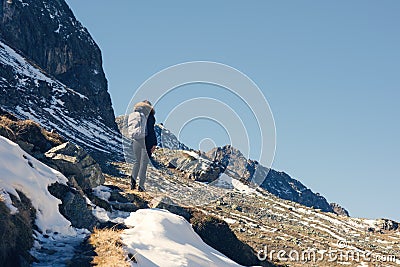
[{"x": 329, "y": 69}]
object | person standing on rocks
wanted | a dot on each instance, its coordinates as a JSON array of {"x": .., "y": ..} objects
[{"x": 141, "y": 129}]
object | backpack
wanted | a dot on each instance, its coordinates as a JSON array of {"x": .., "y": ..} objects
[{"x": 137, "y": 125}]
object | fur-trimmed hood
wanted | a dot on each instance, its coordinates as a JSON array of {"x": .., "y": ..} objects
[{"x": 144, "y": 108}]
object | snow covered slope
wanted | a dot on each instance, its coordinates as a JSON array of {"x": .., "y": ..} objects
[
  {"x": 19, "y": 171},
  {"x": 30, "y": 93},
  {"x": 49, "y": 36},
  {"x": 160, "y": 238}
]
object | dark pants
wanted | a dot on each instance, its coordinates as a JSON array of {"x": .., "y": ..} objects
[{"x": 140, "y": 159}]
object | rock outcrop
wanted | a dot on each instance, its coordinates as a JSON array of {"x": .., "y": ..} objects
[
  {"x": 339, "y": 210},
  {"x": 189, "y": 163},
  {"x": 73, "y": 206},
  {"x": 29, "y": 135},
  {"x": 72, "y": 161},
  {"x": 387, "y": 225},
  {"x": 217, "y": 234}
]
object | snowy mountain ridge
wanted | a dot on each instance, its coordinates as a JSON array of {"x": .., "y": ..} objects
[{"x": 42, "y": 99}]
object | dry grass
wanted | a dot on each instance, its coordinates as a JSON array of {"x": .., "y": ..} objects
[
  {"x": 108, "y": 247},
  {"x": 14, "y": 127}
]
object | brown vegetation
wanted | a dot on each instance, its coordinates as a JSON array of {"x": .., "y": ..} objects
[
  {"x": 108, "y": 247},
  {"x": 16, "y": 232},
  {"x": 28, "y": 134}
]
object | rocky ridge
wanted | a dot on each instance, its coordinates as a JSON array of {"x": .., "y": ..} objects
[{"x": 206, "y": 167}]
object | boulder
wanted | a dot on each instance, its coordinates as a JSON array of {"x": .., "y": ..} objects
[
  {"x": 73, "y": 206},
  {"x": 193, "y": 166},
  {"x": 72, "y": 161}
]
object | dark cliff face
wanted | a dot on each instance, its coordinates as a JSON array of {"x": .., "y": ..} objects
[
  {"x": 51, "y": 72},
  {"x": 48, "y": 34}
]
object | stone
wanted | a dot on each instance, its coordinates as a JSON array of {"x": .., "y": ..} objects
[
  {"x": 73, "y": 206},
  {"x": 199, "y": 169},
  {"x": 72, "y": 161}
]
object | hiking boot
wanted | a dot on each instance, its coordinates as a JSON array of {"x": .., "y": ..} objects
[
  {"x": 140, "y": 189},
  {"x": 133, "y": 185}
]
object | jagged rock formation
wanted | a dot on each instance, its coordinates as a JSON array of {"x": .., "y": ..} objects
[
  {"x": 73, "y": 206},
  {"x": 278, "y": 183},
  {"x": 387, "y": 225},
  {"x": 51, "y": 72},
  {"x": 167, "y": 139},
  {"x": 189, "y": 163},
  {"x": 339, "y": 210}
]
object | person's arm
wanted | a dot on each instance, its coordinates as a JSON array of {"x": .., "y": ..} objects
[{"x": 151, "y": 138}]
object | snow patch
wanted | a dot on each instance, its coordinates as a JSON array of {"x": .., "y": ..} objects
[
  {"x": 225, "y": 181},
  {"x": 160, "y": 238},
  {"x": 191, "y": 153},
  {"x": 20, "y": 171},
  {"x": 102, "y": 192}
]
